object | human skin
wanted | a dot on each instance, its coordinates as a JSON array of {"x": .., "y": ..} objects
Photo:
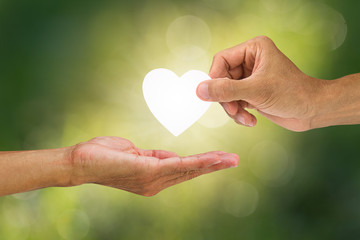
[
  {"x": 109, "y": 161},
  {"x": 257, "y": 75}
]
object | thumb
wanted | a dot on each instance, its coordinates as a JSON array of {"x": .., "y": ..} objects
[{"x": 224, "y": 90}]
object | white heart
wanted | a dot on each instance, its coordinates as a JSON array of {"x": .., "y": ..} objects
[{"x": 173, "y": 100}]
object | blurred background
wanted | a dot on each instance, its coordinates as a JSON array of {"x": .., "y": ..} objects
[{"x": 73, "y": 70}]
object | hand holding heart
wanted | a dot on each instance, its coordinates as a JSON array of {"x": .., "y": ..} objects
[
  {"x": 252, "y": 75},
  {"x": 256, "y": 75}
]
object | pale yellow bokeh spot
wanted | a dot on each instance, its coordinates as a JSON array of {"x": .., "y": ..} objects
[
  {"x": 188, "y": 37},
  {"x": 73, "y": 224},
  {"x": 270, "y": 162},
  {"x": 240, "y": 199},
  {"x": 215, "y": 117}
]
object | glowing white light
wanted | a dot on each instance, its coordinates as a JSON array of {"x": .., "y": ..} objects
[{"x": 173, "y": 100}]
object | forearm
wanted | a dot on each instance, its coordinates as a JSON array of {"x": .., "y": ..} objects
[
  {"x": 29, "y": 170},
  {"x": 338, "y": 103}
]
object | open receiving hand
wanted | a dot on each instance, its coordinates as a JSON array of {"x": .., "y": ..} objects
[
  {"x": 116, "y": 162},
  {"x": 269, "y": 82}
]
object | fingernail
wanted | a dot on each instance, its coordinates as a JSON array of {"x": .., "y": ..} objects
[
  {"x": 214, "y": 163},
  {"x": 241, "y": 119},
  {"x": 226, "y": 107},
  {"x": 203, "y": 91},
  {"x": 252, "y": 123},
  {"x": 230, "y": 158}
]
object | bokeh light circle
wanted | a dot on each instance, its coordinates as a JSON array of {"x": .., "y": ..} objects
[
  {"x": 269, "y": 160},
  {"x": 188, "y": 37},
  {"x": 240, "y": 199},
  {"x": 18, "y": 214},
  {"x": 255, "y": 26},
  {"x": 73, "y": 224},
  {"x": 323, "y": 25},
  {"x": 280, "y": 5}
]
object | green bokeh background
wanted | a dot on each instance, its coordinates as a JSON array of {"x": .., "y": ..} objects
[{"x": 73, "y": 70}]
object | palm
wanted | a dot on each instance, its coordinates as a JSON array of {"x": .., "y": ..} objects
[
  {"x": 116, "y": 162},
  {"x": 116, "y": 144}
]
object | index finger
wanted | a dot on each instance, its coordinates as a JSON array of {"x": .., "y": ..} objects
[
  {"x": 198, "y": 162},
  {"x": 227, "y": 60}
]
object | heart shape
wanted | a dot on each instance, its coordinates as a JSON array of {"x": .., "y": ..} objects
[{"x": 173, "y": 100}]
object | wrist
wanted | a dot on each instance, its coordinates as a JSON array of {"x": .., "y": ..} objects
[
  {"x": 75, "y": 171},
  {"x": 60, "y": 167},
  {"x": 328, "y": 104},
  {"x": 77, "y": 157}
]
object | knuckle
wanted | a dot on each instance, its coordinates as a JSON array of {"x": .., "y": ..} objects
[
  {"x": 217, "y": 56},
  {"x": 214, "y": 90},
  {"x": 225, "y": 90},
  {"x": 264, "y": 39},
  {"x": 229, "y": 85},
  {"x": 202, "y": 165}
]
